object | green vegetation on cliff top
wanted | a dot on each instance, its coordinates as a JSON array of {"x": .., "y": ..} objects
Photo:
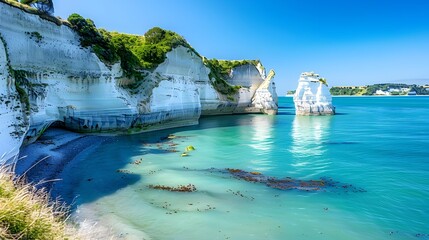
[
  {"x": 135, "y": 52},
  {"x": 220, "y": 69},
  {"x": 138, "y": 53},
  {"x": 224, "y": 67}
]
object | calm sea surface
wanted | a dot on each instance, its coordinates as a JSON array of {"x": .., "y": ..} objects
[{"x": 376, "y": 148}]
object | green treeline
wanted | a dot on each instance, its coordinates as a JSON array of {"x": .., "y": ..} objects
[
  {"x": 347, "y": 91},
  {"x": 372, "y": 89}
]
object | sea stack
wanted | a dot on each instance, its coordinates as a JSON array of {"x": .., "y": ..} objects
[{"x": 312, "y": 96}]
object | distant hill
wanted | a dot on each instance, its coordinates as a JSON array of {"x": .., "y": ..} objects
[{"x": 386, "y": 89}]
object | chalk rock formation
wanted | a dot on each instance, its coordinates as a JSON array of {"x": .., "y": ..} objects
[
  {"x": 256, "y": 94},
  {"x": 46, "y": 76},
  {"x": 265, "y": 97},
  {"x": 312, "y": 96}
]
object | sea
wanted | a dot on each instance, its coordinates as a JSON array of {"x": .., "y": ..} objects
[{"x": 360, "y": 174}]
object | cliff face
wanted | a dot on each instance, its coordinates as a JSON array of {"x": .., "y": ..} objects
[
  {"x": 12, "y": 116},
  {"x": 312, "y": 96},
  {"x": 251, "y": 78},
  {"x": 58, "y": 80},
  {"x": 265, "y": 97}
]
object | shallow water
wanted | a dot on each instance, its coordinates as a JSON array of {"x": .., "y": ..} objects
[{"x": 377, "y": 144}]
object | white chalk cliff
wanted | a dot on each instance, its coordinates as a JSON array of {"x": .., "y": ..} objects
[
  {"x": 265, "y": 97},
  {"x": 312, "y": 96},
  {"x": 67, "y": 83}
]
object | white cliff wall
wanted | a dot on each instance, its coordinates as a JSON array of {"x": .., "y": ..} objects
[
  {"x": 68, "y": 83},
  {"x": 312, "y": 97},
  {"x": 250, "y": 78},
  {"x": 265, "y": 97},
  {"x": 12, "y": 113},
  {"x": 65, "y": 82}
]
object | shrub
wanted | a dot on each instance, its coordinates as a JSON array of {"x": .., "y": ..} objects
[
  {"x": 155, "y": 35},
  {"x": 91, "y": 37}
]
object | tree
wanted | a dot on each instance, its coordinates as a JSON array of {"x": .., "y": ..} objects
[
  {"x": 154, "y": 35},
  {"x": 43, "y": 6},
  {"x": 86, "y": 29}
]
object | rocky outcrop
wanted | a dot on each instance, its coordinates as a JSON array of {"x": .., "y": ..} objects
[
  {"x": 60, "y": 81},
  {"x": 312, "y": 96},
  {"x": 265, "y": 97},
  {"x": 251, "y": 79}
]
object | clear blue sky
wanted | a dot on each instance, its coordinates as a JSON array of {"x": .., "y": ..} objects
[{"x": 349, "y": 42}]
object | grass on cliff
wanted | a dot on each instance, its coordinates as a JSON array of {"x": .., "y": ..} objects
[
  {"x": 224, "y": 67},
  {"x": 221, "y": 69},
  {"x": 135, "y": 52},
  {"x": 138, "y": 53},
  {"x": 27, "y": 213}
]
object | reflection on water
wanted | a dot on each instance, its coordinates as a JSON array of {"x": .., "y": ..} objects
[
  {"x": 308, "y": 135},
  {"x": 262, "y": 134},
  {"x": 261, "y": 142}
]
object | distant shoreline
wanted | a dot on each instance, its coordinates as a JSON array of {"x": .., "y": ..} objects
[
  {"x": 335, "y": 96},
  {"x": 380, "y": 96}
]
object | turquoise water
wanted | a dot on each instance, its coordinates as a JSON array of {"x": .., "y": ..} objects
[{"x": 379, "y": 144}]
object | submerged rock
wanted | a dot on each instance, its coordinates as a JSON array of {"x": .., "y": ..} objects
[
  {"x": 288, "y": 183},
  {"x": 312, "y": 96},
  {"x": 180, "y": 188}
]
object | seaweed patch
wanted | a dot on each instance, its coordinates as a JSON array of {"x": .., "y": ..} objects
[
  {"x": 288, "y": 183},
  {"x": 180, "y": 188}
]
